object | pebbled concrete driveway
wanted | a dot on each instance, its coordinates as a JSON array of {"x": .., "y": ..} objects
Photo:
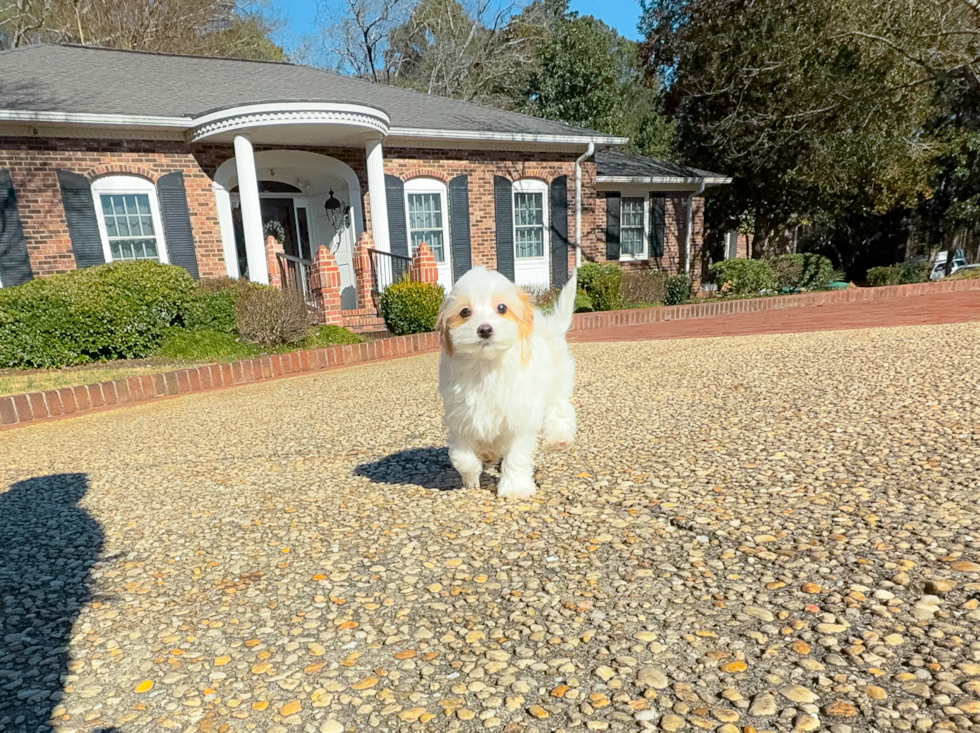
[{"x": 758, "y": 533}]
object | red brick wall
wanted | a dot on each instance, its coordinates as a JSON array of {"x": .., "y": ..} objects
[
  {"x": 481, "y": 167},
  {"x": 33, "y": 166},
  {"x": 675, "y": 221}
]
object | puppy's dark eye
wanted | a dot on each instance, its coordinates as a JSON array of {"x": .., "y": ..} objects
[
  {"x": 465, "y": 313},
  {"x": 502, "y": 308}
]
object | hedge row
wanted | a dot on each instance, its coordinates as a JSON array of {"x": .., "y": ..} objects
[{"x": 125, "y": 310}]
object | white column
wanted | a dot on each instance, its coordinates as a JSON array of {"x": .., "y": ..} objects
[
  {"x": 376, "y": 191},
  {"x": 227, "y": 223},
  {"x": 248, "y": 192}
]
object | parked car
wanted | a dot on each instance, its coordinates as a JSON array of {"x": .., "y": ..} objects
[{"x": 939, "y": 266}]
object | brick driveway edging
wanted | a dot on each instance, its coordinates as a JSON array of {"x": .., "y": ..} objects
[
  {"x": 16, "y": 410},
  {"x": 640, "y": 316},
  {"x": 19, "y": 409}
]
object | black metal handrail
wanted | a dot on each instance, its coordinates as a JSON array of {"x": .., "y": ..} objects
[
  {"x": 387, "y": 268},
  {"x": 296, "y": 274}
]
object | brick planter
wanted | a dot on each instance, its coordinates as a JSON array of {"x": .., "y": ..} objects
[
  {"x": 27, "y": 408},
  {"x": 707, "y": 309}
]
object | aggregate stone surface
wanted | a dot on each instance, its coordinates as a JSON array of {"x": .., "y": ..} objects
[{"x": 761, "y": 533}]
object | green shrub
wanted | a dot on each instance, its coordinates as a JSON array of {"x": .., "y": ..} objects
[
  {"x": 879, "y": 276},
  {"x": 271, "y": 317},
  {"x": 743, "y": 276},
  {"x": 211, "y": 311},
  {"x": 803, "y": 271},
  {"x": 205, "y": 345},
  {"x": 971, "y": 274},
  {"x": 601, "y": 281},
  {"x": 787, "y": 271},
  {"x": 583, "y": 303},
  {"x": 901, "y": 274},
  {"x": 678, "y": 290},
  {"x": 639, "y": 287},
  {"x": 411, "y": 307},
  {"x": 116, "y": 311},
  {"x": 212, "y": 306},
  {"x": 330, "y": 335},
  {"x": 913, "y": 272}
]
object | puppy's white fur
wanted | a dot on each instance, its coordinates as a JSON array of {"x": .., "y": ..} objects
[{"x": 501, "y": 392}]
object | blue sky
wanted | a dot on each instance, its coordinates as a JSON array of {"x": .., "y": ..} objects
[{"x": 300, "y": 15}]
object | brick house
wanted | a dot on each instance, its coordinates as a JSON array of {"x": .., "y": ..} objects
[{"x": 109, "y": 155}]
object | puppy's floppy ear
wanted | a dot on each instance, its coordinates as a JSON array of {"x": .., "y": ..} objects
[
  {"x": 525, "y": 326},
  {"x": 442, "y": 325}
]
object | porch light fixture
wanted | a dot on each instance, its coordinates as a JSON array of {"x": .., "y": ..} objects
[{"x": 337, "y": 212}]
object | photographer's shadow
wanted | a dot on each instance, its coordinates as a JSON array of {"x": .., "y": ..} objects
[{"x": 48, "y": 545}]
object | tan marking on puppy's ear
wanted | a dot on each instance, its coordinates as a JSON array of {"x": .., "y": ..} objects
[
  {"x": 442, "y": 326},
  {"x": 526, "y": 325},
  {"x": 449, "y": 319}
]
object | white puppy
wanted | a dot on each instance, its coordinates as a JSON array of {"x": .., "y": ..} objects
[{"x": 505, "y": 376}]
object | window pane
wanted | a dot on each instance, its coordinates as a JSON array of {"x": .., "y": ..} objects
[
  {"x": 122, "y": 223},
  {"x": 529, "y": 242},
  {"x": 631, "y": 241},
  {"x": 425, "y": 222},
  {"x": 528, "y": 209},
  {"x": 133, "y": 249},
  {"x": 110, "y": 225},
  {"x": 143, "y": 204},
  {"x": 107, "y": 205},
  {"x": 119, "y": 208}
]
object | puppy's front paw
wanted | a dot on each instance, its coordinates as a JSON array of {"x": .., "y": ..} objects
[
  {"x": 521, "y": 488},
  {"x": 558, "y": 445}
]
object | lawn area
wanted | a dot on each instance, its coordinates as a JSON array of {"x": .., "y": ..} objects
[{"x": 180, "y": 349}]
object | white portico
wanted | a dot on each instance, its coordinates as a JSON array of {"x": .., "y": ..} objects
[{"x": 303, "y": 191}]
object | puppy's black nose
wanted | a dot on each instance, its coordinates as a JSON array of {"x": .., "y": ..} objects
[{"x": 485, "y": 331}]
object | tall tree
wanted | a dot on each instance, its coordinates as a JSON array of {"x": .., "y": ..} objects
[
  {"x": 588, "y": 75},
  {"x": 206, "y": 27},
  {"x": 816, "y": 108}
]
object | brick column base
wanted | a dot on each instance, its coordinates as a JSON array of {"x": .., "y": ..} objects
[
  {"x": 325, "y": 277},
  {"x": 424, "y": 267},
  {"x": 272, "y": 247},
  {"x": 362, "y": 271}
]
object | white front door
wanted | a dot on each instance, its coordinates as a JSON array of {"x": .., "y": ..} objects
[
  {"x": 340, "y": 241},
  {"x": 531, "y": 240},
  {"x": 425, "y": 208}
]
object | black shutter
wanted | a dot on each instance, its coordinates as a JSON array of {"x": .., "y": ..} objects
[
  {"x": 559, "y": 231},
  {"x": 503, "y": 200},
  {"x": 459, "y": 225},
  {"x": 15, "y": 265},
  {"x": 612, "y": 225},
  {"x": 83, "y": 227},
  {"x": 397, "y": 229},
  {"x": 177, "y": 222},
  {"x": 657, "y": 226}
]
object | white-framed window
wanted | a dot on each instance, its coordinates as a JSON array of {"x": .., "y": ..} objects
[
  {"x": 425, "y": 204},
  {"x": 530, "y": 219},
  {"x": 129, "y": 219},
  {"x": 633, "y": 228}
]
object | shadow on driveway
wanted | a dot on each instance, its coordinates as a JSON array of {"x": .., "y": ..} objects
[
  {"x": 48, "y": 545},
  {"x": 426, "y": 467}
]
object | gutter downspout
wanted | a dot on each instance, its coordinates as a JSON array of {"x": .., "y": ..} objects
[
  {"x": 589, "y": 151},
  {"x": 688, "y": 230}
]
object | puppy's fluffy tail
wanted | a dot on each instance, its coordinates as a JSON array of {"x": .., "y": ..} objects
[{"x": 560, "y": 319}]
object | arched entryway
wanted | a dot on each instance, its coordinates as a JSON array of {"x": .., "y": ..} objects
[{"x": 294, "y": 186}]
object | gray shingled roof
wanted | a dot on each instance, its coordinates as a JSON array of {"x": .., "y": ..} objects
[
  {"x": 73, "y": 79},
  {"x": 615, "y": 163}
]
